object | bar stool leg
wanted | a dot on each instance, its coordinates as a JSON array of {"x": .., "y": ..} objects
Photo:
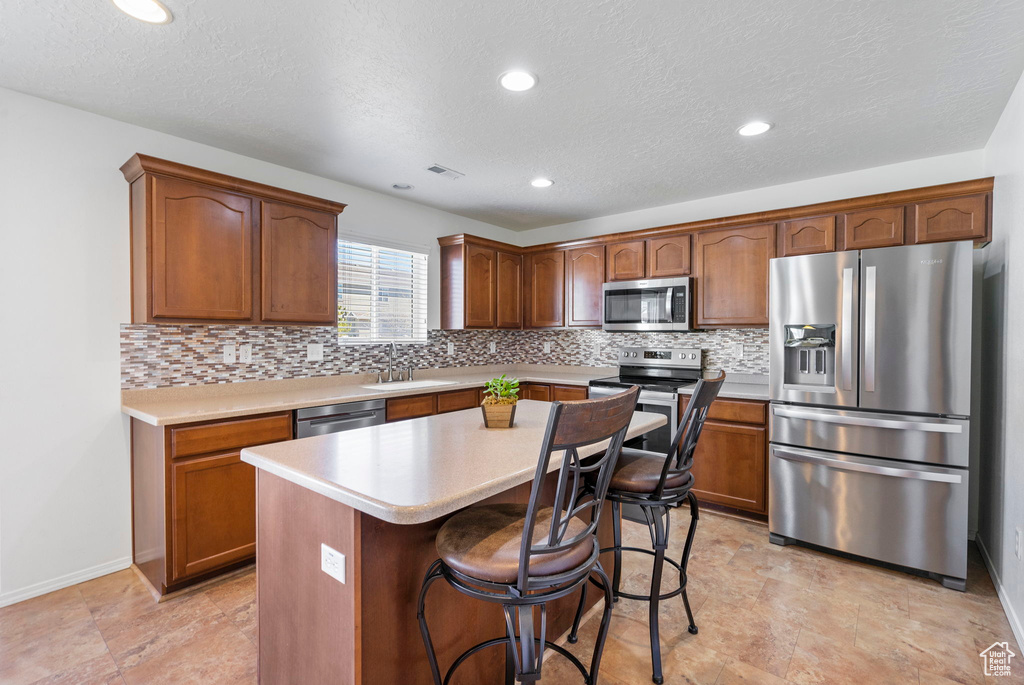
[
  {"x": 659, "y": 535},
  {"x": 690, "y": 534},
  {"x": 606, "y": 619},
  {"x": 573, "y": 634},
  {"x": 433, "y": 573},
  {"x": 617, "y": 536}
]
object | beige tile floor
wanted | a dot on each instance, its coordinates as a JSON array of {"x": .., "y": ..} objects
[{"x": 766, "y": 614}]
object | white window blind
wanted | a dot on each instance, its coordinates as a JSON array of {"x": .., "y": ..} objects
[{"x": 382, "y": 294}]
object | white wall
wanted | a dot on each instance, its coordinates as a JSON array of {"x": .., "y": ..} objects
[
  {"x": 64, "y": 461},
  {"x": 923, "y": 172},
  {"x": 1002, "y": 377}
]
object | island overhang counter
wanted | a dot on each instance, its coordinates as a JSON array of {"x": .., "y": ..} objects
[{"x": 378, "y": 495}]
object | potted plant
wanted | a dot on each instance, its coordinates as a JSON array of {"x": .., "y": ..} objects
[{"x": 499, "y": 405}]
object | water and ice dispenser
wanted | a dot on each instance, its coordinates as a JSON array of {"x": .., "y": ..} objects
[{"x": 810, "y": 354}]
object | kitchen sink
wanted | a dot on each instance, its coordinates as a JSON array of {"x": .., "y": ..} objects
[{"x": 406, "y": 385}]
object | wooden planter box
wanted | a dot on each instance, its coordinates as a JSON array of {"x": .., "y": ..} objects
[{"x": 498, "y": 415}]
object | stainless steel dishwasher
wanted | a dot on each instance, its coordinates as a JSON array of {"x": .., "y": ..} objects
[{"x": 334, "y": 418}]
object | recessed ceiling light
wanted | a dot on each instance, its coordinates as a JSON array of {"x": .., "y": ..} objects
[
  {"x": 402, "y": 186},
  {"x": 149, "y": 11},
  {"x": 517, "y": 80},
  {"x": 754, "y": 128},
  {"x": 541, "y": 183}
]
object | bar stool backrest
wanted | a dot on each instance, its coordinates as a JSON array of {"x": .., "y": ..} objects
[
  {"x": 679, "y": 459},
  {"x": 571, "y": 426}
]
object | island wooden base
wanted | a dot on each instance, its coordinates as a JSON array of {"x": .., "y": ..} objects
[{"x": 313, "y": 629}]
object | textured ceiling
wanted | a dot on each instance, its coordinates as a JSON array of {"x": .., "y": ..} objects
[{"x": 637, "y": 103}]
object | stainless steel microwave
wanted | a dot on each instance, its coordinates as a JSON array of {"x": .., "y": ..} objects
[{"x": 657, "y": 304}]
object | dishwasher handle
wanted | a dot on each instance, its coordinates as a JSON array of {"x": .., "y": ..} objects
[
  {"x": 342, "y": 418},
  {"x": 811, "y": 457}
]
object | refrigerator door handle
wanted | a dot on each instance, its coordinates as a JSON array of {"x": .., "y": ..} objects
[
  {"x": 809, "y": 457},
  {"x": 927, "y": 427},
  {"x": 870, "y": 293},
  {"x": 847, "y": 337}
]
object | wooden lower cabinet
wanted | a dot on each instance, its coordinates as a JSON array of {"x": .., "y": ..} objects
[
  {"x": 194, "y": 499},
  {"x": 401, "y": 408},
  {"x": 214, "y": 503},
  {"x": 458, "y": 399},
  {"x": 568, "y": 393},
  {"x": 535, "y": 391},
  {"x": 730, "y": 465}
]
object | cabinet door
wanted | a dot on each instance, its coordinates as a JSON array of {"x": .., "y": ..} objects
[
  {"x": 213, "y": 510},
  {"x": 881, "y": 227},
  {"x": 668, "y": 257},
  {"x": 958, "y": 218},
  {"x": 626, "y": 261},
  {"x": 545, "y": 290},
  {"x": 535, "y": 391},
  {"x": 510, "y": 290},
  {"x": 807, "y": 236},
  {"x": 732, "y": 276},
  {"x": 481, "y": 286},
  {"x": 568, "y": 393},
  {"x": 299, "y": 264},
  {"x": 584, "y": 277},
  {"x": 729, "y": 466},
  {"x": 402, "y": 408},
  {"x": 202, "y": 252},
  {"x": 457, "y": 400}
]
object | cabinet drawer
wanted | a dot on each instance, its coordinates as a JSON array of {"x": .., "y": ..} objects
[
  {"x": 227, "y": 435},
  {"x": 568, "y": 393},
  {"x": 735, "y": 411},
  {"x": 456, "y": 400},
  {"x": 411, "y": 407}
]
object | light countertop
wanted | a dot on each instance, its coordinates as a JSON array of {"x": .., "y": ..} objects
[
  {"x": 740, "y": 386},
  {"x": 169, "y": 406},
  {"x": 416, "y": 471}
]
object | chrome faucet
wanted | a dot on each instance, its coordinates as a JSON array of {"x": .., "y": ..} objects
[{"x": 392, "y": 351}]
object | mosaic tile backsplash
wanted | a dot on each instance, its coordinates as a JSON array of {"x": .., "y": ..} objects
[{"x": 159, "y": 355}]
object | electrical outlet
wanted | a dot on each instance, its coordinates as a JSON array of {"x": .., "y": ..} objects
[
  {"x": 547, "y": 348},
  {"x": 332, "y": 562},
  {"x": 245, "y": 353},
  {"x": 229, "y": 353},
  {"x": 451, "y": 349},
  {"x": 315, "y": 352},
  {"x": 1016, "y": 543},
  {"x": 494, "y": 347}
]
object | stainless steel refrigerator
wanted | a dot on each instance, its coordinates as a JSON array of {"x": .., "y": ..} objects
[{"x": 870, "y": 377}]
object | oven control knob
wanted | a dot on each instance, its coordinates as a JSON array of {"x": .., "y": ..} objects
[
  {"x": 634, "y": 354},
  {"x": 693, "y": 355}
]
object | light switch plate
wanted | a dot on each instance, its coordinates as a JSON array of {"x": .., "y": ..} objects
[
  {"x": 332, "y": 562},
  {"x": 315, "y": 352},
  {"x": 451, "y": 349},
  {"x": 494, "y": 347},
  {"x": 547, "y": 348},
  {"x": 229, "y": 353},
  {"x": 245, "y": 353}
]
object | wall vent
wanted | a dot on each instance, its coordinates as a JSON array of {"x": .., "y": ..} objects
[{"x": 445, "y": 172}]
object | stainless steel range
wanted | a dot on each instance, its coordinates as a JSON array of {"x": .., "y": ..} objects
[
  {"x": 870, "y": 376},
  {"x": 660, "y": 374}
]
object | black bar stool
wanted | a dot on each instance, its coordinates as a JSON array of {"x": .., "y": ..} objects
[
  {"x": 524, "y": 555},
  {"x": 654, "y": 482}
]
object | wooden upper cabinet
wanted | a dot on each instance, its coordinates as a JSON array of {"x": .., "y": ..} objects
[
  {"x": 510, "y": 290},
  {"x": 731, "y": 267},
  {"x": 584, "y": 278},
  {"x": 202, "y": 252},
  {"x": 209, "y": 247},
  {"x": 668, "y": 257},
  {"x": 807, "y": 236},
  {"x": 625, "y": 261},
  {"x": 299, "y": 259},
  {"x": 545, "y": 290},
  {"x": 958, "y": 218},
  {"x": 481, "y": 286},
  {"x": 882, "y": 227}
]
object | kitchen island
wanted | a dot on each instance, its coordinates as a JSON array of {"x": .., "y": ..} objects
[{"x": 378, "y": 495}]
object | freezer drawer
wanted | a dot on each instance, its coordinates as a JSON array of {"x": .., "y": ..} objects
[
  {"x": 928, "y": 440},
  {"x": 905, "y": 514}
]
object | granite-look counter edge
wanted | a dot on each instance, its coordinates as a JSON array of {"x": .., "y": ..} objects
[{"x": 415, "y": 471}]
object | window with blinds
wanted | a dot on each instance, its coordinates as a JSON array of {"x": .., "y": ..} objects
[{"x": 382, "y": 294}]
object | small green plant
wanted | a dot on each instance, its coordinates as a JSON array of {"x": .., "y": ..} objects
[{"x": 502, "y": 390}]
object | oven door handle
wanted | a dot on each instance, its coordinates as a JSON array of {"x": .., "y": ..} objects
[{"x": 809, "y": 457}]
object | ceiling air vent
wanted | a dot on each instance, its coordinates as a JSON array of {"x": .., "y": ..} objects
[{"x": 445, "y": 172}]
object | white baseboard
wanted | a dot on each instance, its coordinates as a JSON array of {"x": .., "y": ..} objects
[
  {"x": 15, "y": 596},
  {"x": 1011, "y": 614}
]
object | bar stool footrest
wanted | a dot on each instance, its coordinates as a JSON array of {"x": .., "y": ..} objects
[
  {"x": 504, "y": 641},
  {"x": 646, "y": 598}
]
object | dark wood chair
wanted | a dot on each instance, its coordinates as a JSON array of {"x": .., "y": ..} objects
[
  {"x": 655, "y": 482},
  {"x": 523, "y": 556}
]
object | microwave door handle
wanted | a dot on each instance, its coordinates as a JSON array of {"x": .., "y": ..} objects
[{"x": 668, "y": 306}]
